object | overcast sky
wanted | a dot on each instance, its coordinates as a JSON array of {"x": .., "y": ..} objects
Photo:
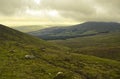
[{"x": 58, "y": 11}]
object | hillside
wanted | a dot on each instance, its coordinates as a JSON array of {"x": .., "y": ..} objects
[
  {"x": 25, "y": 57},
  {"x": 104, "y": 45},
  {"x": 80, "y": 30}
]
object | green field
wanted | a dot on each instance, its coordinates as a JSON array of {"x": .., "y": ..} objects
[
  {"x": 49, "y": 59},
  {"x": 104, "y": 45}
]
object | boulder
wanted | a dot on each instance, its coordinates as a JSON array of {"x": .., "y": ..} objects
[{"x": 29, "y": 56}]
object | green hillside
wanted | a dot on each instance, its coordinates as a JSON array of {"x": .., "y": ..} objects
[
  {"x": 104, "y": 45},
  {"x": 48, "y": 60}
]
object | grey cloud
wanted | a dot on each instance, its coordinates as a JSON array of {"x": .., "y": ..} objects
[
  {"x": 68, "y": 5},
  {"x": 86, "y": 10},
  {"x": 80, "y": 10},
  {"x": 9, "y": 7}
]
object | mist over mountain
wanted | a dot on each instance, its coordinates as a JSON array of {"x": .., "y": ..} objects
[{"x": 30, "y": 28}]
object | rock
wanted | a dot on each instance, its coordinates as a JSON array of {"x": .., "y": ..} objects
[
  {"x": 42, "y": 48},
  {"x": 49, "y": 74},
  {"x": 29, "y": 56},
  {"x": 59, "y": 73},
  {"x": 68, "y": 53},
  {"x": 62, "y": 75},
  {"x": 12, "y": 51}
]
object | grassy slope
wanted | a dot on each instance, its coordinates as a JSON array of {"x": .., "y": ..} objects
[
  {"x": 105, "y": 45},
  {"x": 15, "y": 45}
]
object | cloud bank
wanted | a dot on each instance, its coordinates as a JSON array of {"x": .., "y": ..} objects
[{"x": 79, "y": 10}]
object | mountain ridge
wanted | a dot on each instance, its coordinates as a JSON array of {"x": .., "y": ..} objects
[{"x": 85, "y": 29}]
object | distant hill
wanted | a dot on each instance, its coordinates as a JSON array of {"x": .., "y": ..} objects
[
  {"x": 26, "y": 57},
  {"x": 80, "y": 30}
]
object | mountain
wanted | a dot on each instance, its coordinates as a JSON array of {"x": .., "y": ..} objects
[
  {"x": 26, "y": 57},
  {"x": 80, "y": 30}
]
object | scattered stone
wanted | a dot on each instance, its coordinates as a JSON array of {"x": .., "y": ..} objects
[
  {"x": 68, "y": 53},
  {"x": 12, "y": 51},
  {"x": 62, "y": 75},
  {"x": 29, "y": 56},
  {"x": 49, "y": 74},
  {"x": 43, "y": 49},
  {"x": 59, "y": 73}
]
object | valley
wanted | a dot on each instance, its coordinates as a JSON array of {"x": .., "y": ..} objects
[
  {"x": 89, "y": 57},
  {"x": 59, "y": 39}
]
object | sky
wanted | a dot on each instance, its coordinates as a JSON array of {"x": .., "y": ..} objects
[{"x": 37, "y": 12}]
